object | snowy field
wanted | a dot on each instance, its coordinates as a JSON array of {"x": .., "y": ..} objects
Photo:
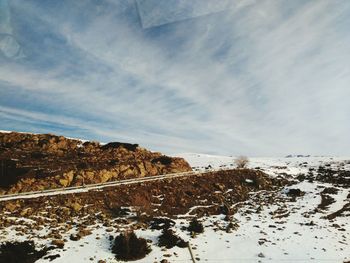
[{"x": 271, "y": 227}]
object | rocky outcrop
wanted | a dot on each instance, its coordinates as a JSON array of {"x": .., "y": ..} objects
[{"x": 35, "y": 162}]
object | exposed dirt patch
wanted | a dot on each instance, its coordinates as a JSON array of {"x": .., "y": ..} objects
[
  {"x": 341, "y": 212},
  {"x": 128, "y": 246},
  {"x": 336, "y": 177},
  {"x": 330, "y": 190},
  {"x": 177, "y": 196},
  {"x": 326, "y": 199}
]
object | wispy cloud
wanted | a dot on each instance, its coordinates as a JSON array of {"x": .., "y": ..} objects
[
  {"x": 155, "y": 13},
  {"x": 267, "y": 78}
]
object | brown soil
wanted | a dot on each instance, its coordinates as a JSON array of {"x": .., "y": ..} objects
[
  {"x": 169, "y": 197},
  {"x": 326, "y": 199},
  {"x": 165, "y": 198},
  {"x": 338, "y": 177},
  {"x": 340, "y": 212}
]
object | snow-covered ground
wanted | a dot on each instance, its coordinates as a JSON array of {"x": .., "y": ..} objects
[
  {"x": 271, "y": 166},
  {"x": 272, "y": 226}
]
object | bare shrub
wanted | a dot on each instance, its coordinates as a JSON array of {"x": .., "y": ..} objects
[
  {"x": 127, "y": 246},
  {"x": 241, "y": 162}
]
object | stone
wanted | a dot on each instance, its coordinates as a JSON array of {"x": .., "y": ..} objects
[
  {"x": 64, "y": 182},
  {"x": 142, "y": 169},
  {"x": 74, "y": 237},
  {"x": 83, "y": 233},
  {"x": 76, "y": 207},
  {"x": 58, "y": 243},
  {"x": 11, "y": 207},
  {"x": 105, "y": 175},
  {"x": 26, "y": 212}
]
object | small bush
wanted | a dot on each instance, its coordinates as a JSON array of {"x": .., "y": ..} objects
[
  {"x": 241, "y": 162},
  {"x": 24, "y": 252},
  {"x": 127, "y": 246},
  {"x": 164, "y": 160},
  {"x": 195, "y": 226},
  {"x": 168, "y": 239}
]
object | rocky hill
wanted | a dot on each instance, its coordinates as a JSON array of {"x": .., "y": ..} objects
[{"x": 31, "y": 162}]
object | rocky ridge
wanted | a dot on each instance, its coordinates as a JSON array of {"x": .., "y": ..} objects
[{"x": 35, "y": 162}]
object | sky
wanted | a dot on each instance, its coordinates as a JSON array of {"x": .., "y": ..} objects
[{"x": 230, "y": 77}]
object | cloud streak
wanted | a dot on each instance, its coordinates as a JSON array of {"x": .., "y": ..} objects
[{"x": 267, "y": 78}]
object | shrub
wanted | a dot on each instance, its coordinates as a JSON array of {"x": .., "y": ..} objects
[
  {"x": 195, "y": 226},
  {"x": 241, "y": 162},
  {"x": 127, "y": 246}
]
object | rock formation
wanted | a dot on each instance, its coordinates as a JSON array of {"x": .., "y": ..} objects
[{"x": 32, "y": 162}]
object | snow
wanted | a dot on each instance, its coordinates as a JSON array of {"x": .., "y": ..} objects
[
  {"x": 284, "y": 231},
  {"x": 3, "y": 131}
]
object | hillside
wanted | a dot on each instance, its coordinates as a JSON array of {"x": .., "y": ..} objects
[
  {"x": 32, "y": 162},
  {"x": 276, "y": 209}
]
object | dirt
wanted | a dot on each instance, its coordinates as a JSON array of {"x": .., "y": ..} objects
[
  {"x": 127, "y": 246},
  {"x": 336, "y": 177},
  {"x": 21, "y": 252},
  {"x": 326, "y": 199},
  {"x": 138, "y": 202},
  {"x": 170, "y": 197},
  {"x": 341, "y": 212}
]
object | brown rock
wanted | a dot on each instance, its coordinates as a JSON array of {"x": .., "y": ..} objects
[
  {"x": 26, "y": 212},
  {"x": 11, "y": 207},
  {"x": 150, "y": 168},
  {"x": 105, "y": 175},
  {"x": 64, "y": 182},
  {"x": 83, "y": 233},
  {"x": 58, "y": 243},
  {"x": 142, "y": 169},
  {"x": 75, "y": 206},
  {"x": 74, "y": 237}
]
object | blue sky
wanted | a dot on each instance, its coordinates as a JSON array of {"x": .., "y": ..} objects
[{"x": 227, "y": 77}]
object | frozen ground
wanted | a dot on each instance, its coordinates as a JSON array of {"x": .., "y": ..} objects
[{"x": 272, "y": 227}]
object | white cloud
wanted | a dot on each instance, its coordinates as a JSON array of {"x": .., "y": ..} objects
[
  {"x": 271, "y": 78},
  {"x": 155, "y": 13}
]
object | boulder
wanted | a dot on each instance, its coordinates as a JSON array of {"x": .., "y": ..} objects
[
  {"x": 76, "y": 207},
  {"x": 11, "y": 207},
  {"x": 58, "y": 243}
]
